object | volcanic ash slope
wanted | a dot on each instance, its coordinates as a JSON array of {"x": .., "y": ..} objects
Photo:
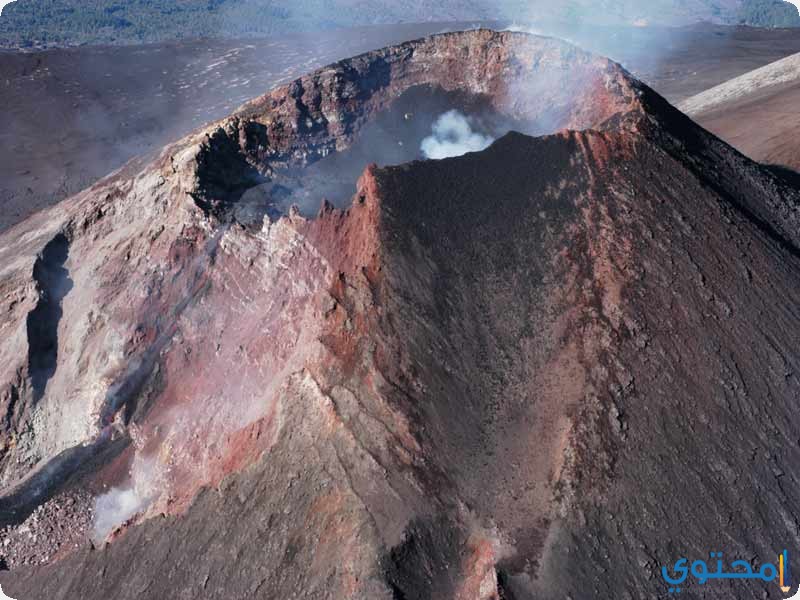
[{"x": 756, "y": 112}]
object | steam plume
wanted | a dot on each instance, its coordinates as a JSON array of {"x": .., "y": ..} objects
[
  {"x": 453, "y": 136},
  {"x": 114, "y": 508},
  {"x": 120, "y": 504}
]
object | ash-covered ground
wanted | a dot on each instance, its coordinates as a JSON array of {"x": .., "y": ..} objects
[{"x": 756, "y": 112}]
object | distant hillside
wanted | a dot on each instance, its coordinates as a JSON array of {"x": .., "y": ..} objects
[
  {"x": 27, "y": 23},
  {"x": 769, "y": 13},
  {"x": 756, "y": 112}
]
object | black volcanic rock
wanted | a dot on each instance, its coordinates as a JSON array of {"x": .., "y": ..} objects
[{"x": 543, "y": 370}]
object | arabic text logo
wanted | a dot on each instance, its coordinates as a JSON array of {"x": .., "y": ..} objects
[{"x": 740, "y": 569}]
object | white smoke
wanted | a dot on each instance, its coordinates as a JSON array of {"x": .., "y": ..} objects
[
  {"x": 453, "y": 136},
  {"x": 120, "y": 504},
  {"x": 114, "y": 508}
]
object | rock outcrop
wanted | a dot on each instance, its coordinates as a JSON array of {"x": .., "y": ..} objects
[{"x": 486, "y": 377}]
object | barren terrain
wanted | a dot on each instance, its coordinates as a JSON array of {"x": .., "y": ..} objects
[
  {"x": 541, "y": 370},
  {"x": 757, "y": 112}
]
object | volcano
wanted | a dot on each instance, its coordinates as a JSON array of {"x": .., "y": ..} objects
[{"x": 265, "y": 366}]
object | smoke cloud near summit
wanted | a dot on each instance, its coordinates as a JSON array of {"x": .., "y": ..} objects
[{"x": 453, "y": 136}]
